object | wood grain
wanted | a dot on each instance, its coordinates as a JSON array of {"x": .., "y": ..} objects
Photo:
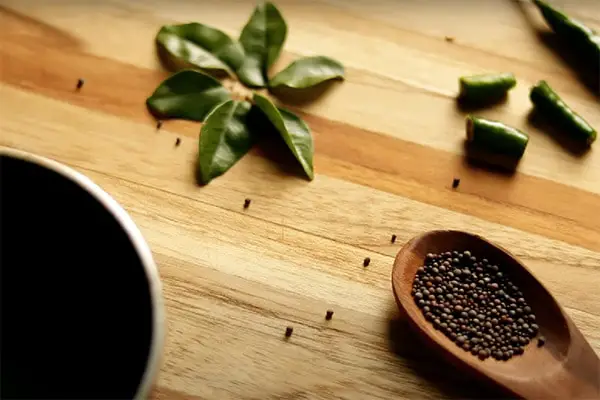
[{"x": 388, "y": 144}]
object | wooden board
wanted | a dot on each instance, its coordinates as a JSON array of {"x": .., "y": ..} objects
[{"x": 388, "y": 144}]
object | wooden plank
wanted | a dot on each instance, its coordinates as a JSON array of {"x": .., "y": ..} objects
[
  {"x": 433, "y": 168},
  {"x": 544, "y": 158},
  {"x": 250, "y": 296},
  {"x": 403, "y": 168},
  {"x": 388, "y": 143}
]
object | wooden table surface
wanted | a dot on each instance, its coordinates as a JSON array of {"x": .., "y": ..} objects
[{"x": 388, "y": 144}]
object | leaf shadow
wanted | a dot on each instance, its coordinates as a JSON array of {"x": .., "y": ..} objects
[
  {"x": 574, "y": 147},
  {"x": 302, "y": 97},
  {"x": 468, "y": 106},
  {"x": 587, "y": 70},
  {"x": 477, "y": 158},
  {"x": 270, "y": 144},
  {"x": 423, "y": 361}
]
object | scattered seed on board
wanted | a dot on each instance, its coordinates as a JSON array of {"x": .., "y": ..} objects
[
  {"x": 288, "y": 331},
  {"x": 80, "y": 83},
  {"x": 247, "y": 203},
  {"x": 328, "y": 315},
  {"x": 393, "y": 238},
  {"x": 541, "y": 341},
  {"x": 158, "y": 124},
  {"x": 366, "y": 262},
  {"x": 449, "y": 39},
  {"x": 177, "y": 142},
  {"x": 455, "y": 183}
]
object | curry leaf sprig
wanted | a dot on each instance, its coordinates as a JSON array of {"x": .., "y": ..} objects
[{"x": 200, "y": 54}]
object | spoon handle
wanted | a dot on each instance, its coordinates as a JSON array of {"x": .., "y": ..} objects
[{"x": 577, "y": 375}]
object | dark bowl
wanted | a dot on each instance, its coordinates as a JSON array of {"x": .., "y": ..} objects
[{"x": 82, "y": 311}]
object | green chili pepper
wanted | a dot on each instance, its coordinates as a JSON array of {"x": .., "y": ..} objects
[
  {"x": 483, "y": 88},
  {"x": 496, "y": 138},
  {"x": 555, "y": 109},
  {"x": 577, "y": 34}
]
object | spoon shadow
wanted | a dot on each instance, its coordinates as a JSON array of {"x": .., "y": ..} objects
[
  {"x": 424, "y": 362},
  {"x": 439, "y": 373}
]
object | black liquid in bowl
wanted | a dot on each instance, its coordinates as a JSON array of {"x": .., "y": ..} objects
[{"x": 76, "y": 304}]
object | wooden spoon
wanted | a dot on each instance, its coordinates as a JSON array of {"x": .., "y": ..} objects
[{"x": 566, "y": 367}]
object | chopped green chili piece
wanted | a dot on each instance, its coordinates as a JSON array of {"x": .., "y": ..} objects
[
  {"x": 484, "y": 88},
  {"x": 496, "y": 138},
  {"x": 552, "y": 107},
  {"x": 579, "y": 36}
]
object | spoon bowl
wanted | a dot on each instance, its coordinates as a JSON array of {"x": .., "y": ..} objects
[{"x": 566, "y": 367}]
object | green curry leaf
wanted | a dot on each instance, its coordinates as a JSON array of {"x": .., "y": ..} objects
[
  {"x": 187, "y": 94},
  {"x": 201, "y": 46},
  {"x": 292, "y": 129},
  {"x": 307, "y": 72},
  {"x": 262, "y": 39},
  {"x": 224, "y": 139}
]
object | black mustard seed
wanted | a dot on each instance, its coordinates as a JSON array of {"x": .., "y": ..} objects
[{"x": 475, "y": 304}]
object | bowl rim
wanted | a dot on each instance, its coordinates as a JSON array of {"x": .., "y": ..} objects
[{"x": 141, "y": 248}]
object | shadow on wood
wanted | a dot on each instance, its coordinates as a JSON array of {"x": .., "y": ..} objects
[
  {"x": 468, "y": 106},
  {"x": 586, "y": 69},
  {"x": 427, "y": 364},
  {"x": 271, "y": 145},
  {"x": 479, "y": 159},
  {"x": 575, "y": 147}
]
